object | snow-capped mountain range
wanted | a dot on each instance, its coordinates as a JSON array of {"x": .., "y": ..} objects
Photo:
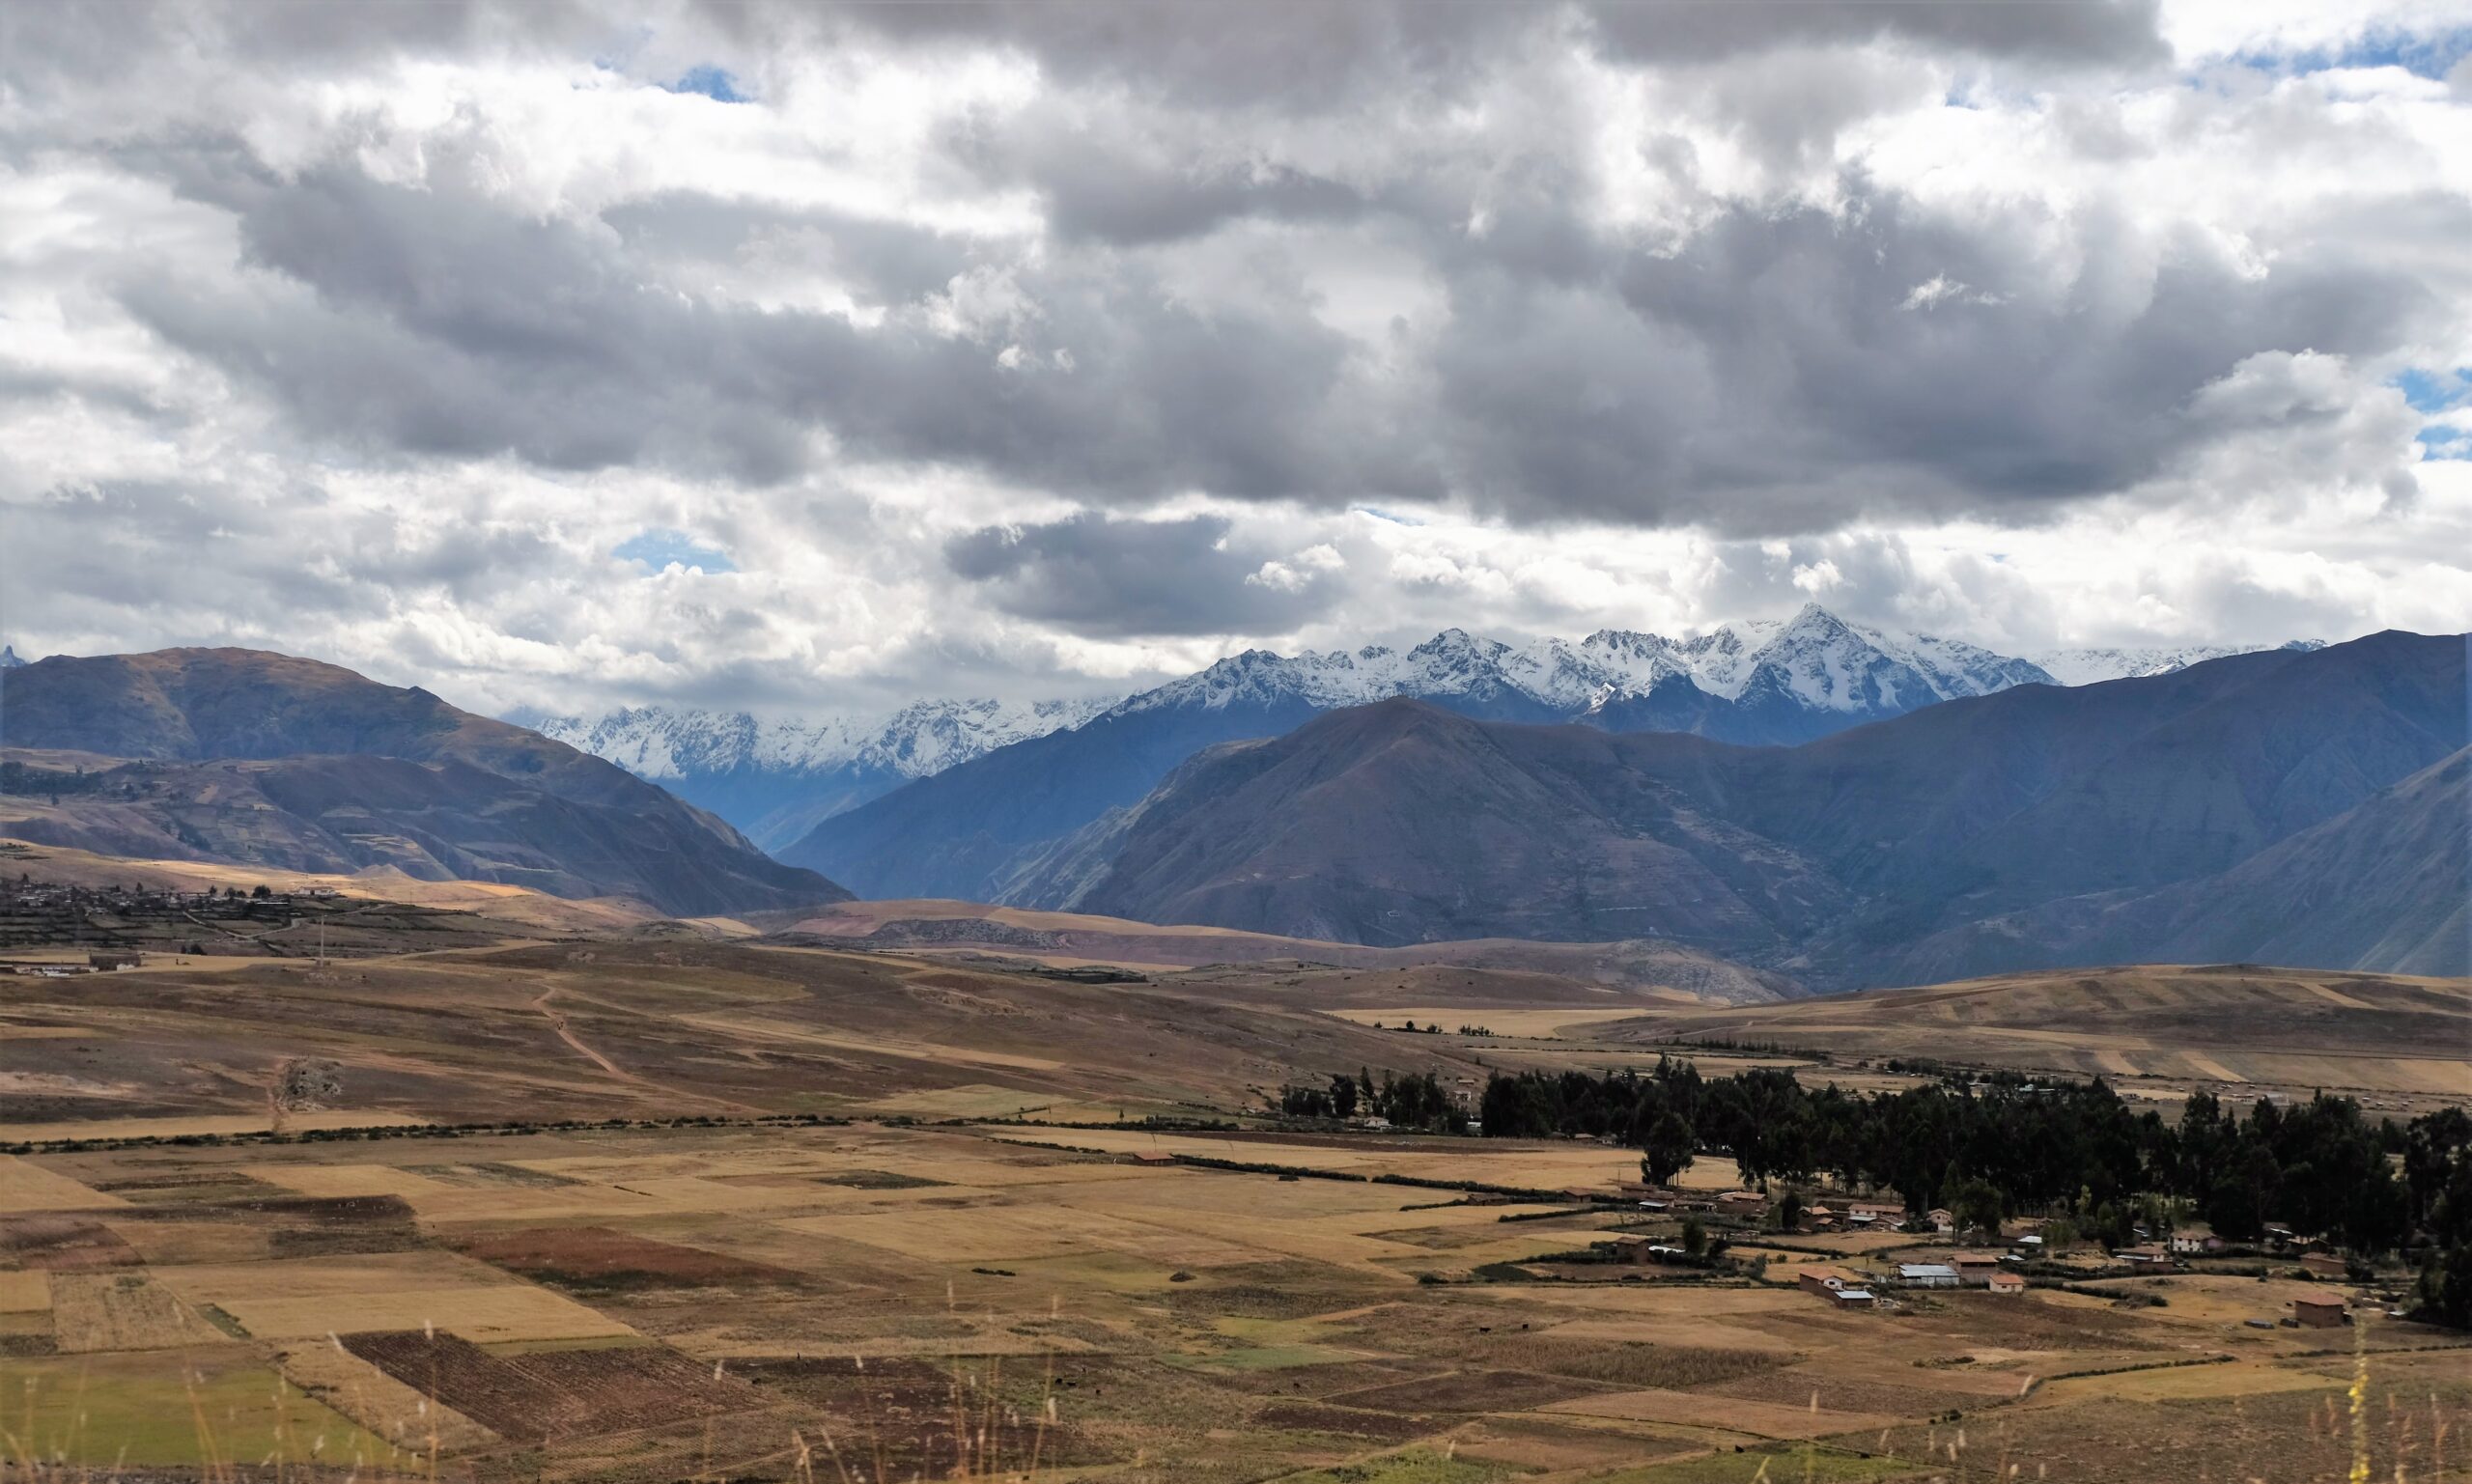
[
  {"x": 774, "y": 777},
  {"x": 9, "y": 660},
  {"x": 925, "y": 736},
  {"x": 2087, "y": 666},
  {"x": 1815, "y": 661},
  {"x": 1768, "y": 680}
]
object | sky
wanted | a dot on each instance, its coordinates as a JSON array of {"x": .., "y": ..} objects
[{"x": 810, "y": 357}]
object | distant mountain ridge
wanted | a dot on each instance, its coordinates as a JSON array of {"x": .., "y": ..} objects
[
  {"x": 2092, "y": 666},
  {"x": 246, "y": 756},
  {"x": 776, "y": 776},
  {"x": 2304, "y": 807},
  {"x": 973, "y": 831}
]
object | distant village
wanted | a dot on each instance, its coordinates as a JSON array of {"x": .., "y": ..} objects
[
  {"x": 2000, "y": 1267},
  {"x": 118, "y": 925}
]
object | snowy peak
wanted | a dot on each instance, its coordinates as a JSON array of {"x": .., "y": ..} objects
[
  {"x": 1763, "y": 682},
  {"x": 9, "y": 660},
  {"x": 923, "y": 738},
  {"x": 1815, "y": 661},
  {"x": 2091, "y": 666}
]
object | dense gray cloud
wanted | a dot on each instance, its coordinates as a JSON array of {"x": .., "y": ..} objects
[
  {"x": 1097, "y": 574},
  {"x": 1064, "y": 339},
  {"x": 1783, "y": 370}
]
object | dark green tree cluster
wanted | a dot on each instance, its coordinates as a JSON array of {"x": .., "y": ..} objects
[
  {"x": 1413, "y": 1102},
  {"x": 2437, "y": 1190},
  {"x": 1990, "y": 1147},
  {"x": 2319, "y": 1167}
]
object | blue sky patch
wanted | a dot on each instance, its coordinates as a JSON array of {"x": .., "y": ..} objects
[
  {"x": 657, "y": 549},
  {"x": 2433, "y": 55},
  {"x": 2440, "y": 441},
  {"x": 712, "y": 82},
  {"x": 2434, "y": 391}
]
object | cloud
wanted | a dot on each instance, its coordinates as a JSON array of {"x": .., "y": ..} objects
[
  {"x": 660, "y": 550},
  {"x": 1054, "y": 345},
  {"x": 1103, "y": 576}
]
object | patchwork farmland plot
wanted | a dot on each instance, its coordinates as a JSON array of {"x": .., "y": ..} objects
[{"x": 675, "y": 1288}]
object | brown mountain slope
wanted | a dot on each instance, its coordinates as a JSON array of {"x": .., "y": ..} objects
[
  {"x": 2225, "y": 1025},
  {"x": 1893, "y": 854},
  {"x": 237, "y": 755},
  {"x": 1566, "y": 974},
  {"x": 2389, "y": 882},
  {"x": 1401, "y": 823}
]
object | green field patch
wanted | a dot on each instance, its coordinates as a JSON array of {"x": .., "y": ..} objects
[
  {"x": 205, "y": 1406},
  {"x": 1267, "y": 1357},
  {"x": 1271, "y": 1332},
  {"x": 1417, "y": 1465}
]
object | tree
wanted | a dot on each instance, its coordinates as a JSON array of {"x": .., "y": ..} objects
[
  {"x": 260, "y": 891},
  {"x": 1974, "y": 1204},
  {"x": 1343, "y": 1095},
  {"x": 1694, "y": 1237},
  {"x": 1790, "y": 1209},
  {"x": 1671, "y": 1146},
  {"x": 2236, "y": 1207},
  {"x": 2446, "y": 1286}
]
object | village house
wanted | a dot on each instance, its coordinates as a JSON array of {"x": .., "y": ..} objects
[
  {"x": 2325, "y": 1264},
  {"x": 1871, "y": 1212},
  {"x": 1741, "y": 1203},
  {"x": 1825, "y": 1281},
  {"x": 2192, "y": 1241},
  {"x": 1927, "y": 1275},
  {"x": 1975, "y": 1269},
  {"x": 2315, "y": 1313},
  {"x": 1853, "y": 1298},
  {"x": 1943, "y": 1220},
  {"x": 2151, "y": 1255},
  {"x": 2009, "y": 1284}
]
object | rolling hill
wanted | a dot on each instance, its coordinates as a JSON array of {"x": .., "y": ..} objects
[
  {"x": 248, "y": 757},
  {"x": 1962, "y": 837},
  {"x": 2232, "y": 1026},
  {"x": 1593, "y": 974}
]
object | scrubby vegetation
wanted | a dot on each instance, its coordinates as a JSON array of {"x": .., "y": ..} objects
[{"x": 1413, "y": 1102}]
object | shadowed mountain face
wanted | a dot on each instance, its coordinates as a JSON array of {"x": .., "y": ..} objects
[
  {"x": 2191, "y": 815},
  {"x": 975, "y": 830},
  {"x": 2383, "y": 884},
  {"x": 244, "y": 756}
]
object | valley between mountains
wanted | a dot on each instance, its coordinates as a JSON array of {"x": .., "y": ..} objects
[{"x": 411, "y": 1095}]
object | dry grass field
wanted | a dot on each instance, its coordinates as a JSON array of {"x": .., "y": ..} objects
[
  {"x": 772, "y": 1244},
  {"x": 2396, "y": 1043},
  {"x": 967, "y": 1298}
]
